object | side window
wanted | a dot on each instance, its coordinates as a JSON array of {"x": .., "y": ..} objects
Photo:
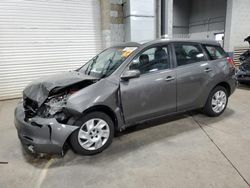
[
  {"x": 215, "y": 52},
  {"x": 151, "y": 60},
  {"x": 188, "y": 54}
]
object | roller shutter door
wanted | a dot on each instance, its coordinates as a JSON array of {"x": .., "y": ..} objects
[{"x": 43, "y": 37}]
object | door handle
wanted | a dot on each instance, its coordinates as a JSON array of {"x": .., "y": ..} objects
[
  {"x": 208, "y": 70},
  {"x": 169, "y": 78}
]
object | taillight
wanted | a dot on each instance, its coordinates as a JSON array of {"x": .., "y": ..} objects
[{"x": 230, "y": 61}]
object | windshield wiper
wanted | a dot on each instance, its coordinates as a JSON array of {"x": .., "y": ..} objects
[
  {"x": 109, "y": 63},
  {"x": 108, "y": 66},
  {"x": 90, "y": 66}
]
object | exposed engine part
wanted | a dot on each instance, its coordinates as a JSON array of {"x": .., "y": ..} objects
[
  {"x": 55, "y": 104},
  {"x": 52, "y": 103}
]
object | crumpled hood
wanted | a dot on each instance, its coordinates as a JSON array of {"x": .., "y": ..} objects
[{"x": 40, "y": 89}]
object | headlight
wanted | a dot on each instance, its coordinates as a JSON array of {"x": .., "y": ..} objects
[{"x": 56, "y": 104}]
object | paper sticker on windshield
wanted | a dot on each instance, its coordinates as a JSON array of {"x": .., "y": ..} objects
[{"x": 127, "y": 51}]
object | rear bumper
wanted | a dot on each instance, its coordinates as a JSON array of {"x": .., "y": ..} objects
[{"x": 41, "y": 135}]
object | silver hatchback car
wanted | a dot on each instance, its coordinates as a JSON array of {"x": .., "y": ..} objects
[{"x": 122, "y": 86}]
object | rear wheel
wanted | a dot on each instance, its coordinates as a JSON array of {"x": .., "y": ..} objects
[
  {"x": 216, "y": 102},
  {"x": 95, "y": 133}
]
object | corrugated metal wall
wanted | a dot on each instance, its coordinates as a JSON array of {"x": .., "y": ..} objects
[{"x": 43, "y": 37}]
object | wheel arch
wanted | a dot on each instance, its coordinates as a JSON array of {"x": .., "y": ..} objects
[
  {"x": 225, "y": 85},
  {"x": 105, "y": 109},
  {"x": 97, "y": 108}
]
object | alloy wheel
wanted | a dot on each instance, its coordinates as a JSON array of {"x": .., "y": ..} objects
[
  {"x": 219, "y": 101},
  {"x": 93, "y": 134}
]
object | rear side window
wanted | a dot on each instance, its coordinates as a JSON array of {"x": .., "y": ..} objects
[
  {"x": 188, "y": 54},
  {"x": 215, "y": 52}
]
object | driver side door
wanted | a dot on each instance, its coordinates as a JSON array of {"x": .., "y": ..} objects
[{"x": 152, "y": 94}]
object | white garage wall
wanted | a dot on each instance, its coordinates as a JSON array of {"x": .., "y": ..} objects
[{"x": 43, "y": 37}]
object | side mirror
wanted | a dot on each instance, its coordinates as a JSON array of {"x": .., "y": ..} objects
[{"x": 130, "y": 74}]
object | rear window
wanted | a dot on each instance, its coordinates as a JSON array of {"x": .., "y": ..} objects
[{"x": 215, "y": 52}]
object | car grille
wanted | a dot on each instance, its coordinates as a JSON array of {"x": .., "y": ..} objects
[{"x": 30, "y": 107}]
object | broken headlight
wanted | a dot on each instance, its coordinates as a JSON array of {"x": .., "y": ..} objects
[{"x": 55, "y": 104}]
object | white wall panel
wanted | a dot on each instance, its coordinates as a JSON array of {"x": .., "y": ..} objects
[
  {"x": 44, "y": 37},
  {"x": 141, "y": 29},
  {"x": 237, "y": 24},
  {"x": 139, "y": 8},
  {"x": 140, "y": 21}
]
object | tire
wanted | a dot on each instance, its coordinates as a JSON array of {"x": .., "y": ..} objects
[
  {"x": 95, "y": 134},
  {"x": 210, "y": 109}
]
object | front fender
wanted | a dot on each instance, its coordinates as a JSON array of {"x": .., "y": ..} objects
[{"x": 101, "y": 93}]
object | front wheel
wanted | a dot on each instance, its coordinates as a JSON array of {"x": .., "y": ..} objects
[
  {"x": 95, "y": 133},
  {"x": 216, "y": 102}
]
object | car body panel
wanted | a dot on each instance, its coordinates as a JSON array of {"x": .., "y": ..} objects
[
  {"x": 39, "y": 90},
  {"x": 102, "y": 93},
  {"x": 243, "y": 74},
  {"x": 44, "y": 135},
  {"x": 224, "y": 73},
  {"x": 148, "y": 96},
  {"x": 192, "y": 87}
]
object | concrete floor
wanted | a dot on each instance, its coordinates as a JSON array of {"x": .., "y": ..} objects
[{"x": 183, "y": 151}]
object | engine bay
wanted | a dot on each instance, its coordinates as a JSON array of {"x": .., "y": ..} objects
[{"x": 53, "y": 106}]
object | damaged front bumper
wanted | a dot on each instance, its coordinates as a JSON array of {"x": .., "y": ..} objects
[
  {"x": 41, "y": 135},
  {"x": 243, "y": 76}
]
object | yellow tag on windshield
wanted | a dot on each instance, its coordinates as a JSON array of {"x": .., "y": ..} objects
[{"x": 127, "y": 51}]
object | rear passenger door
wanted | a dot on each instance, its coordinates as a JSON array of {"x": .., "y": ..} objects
[{"x": 194, "y": 75}]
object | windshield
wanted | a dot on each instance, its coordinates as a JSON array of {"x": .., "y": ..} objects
[{"x": 107, "y": 62}]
